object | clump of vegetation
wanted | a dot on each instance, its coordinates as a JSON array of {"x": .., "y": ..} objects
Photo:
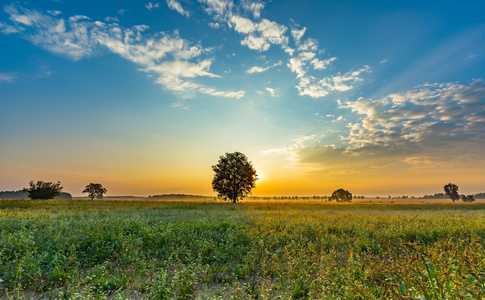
[
  {"x": 451, "y": 190},
  {"x": 43, "y": 190},
  {"x": 234, "y": 176},
  {"x": 468, "y": 198},
  {"x": 341, "y": 195},
  {"x": 95, "y": 191}
]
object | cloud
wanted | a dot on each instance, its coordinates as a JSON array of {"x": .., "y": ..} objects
[
  {"x": 175, "y": 62},
  {"x": 243, "y": 25},
  {"x": 432, "y": 125},
  {"x": 7, "y": 77},
  {"x": 151, "y": 6},
  {"x": 221, "y": 10},
  {"x": 298, "y": 34},
  {"x": 254, "y": 7},
  {"x": 69, "y": 38},
  {"x": 272, "y": 92},
  {"x": 259, "y": 35},
  {"x": 256, "y": 69},
  {"x": 225, "y": 94},
  {"x": 175, "y": 5},
  {"x": 214, "y": 25},
  {"x": 317, "y": 88}
]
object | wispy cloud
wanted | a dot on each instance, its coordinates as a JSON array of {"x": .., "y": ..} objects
[
  {"x": 175, "y": 5},
  {"x": 304, "y": 56},
  {"x": 256, "y": 69},
  {"x": 272, "y": 92},
  {"x": 173, "y": 60},
  {"x": 69, "y": 37},
  {"x": 254, "y": 7},
  {"x": 151, "y": 6},
  {"x": 7, "y": 77}
]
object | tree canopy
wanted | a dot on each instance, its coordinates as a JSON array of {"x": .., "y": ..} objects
[
  {"x": 341, "y": 195},
  {"x": 95, "y": 190},
  {"x": 234, "y": 176},
  {"x": 451, "y": 190},
  {"x": 43, "y": 190}
]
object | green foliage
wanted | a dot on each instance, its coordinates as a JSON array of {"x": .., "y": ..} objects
[
  {"x": 451, "y": 190},
  {"x": 95, "y": 190},
  {"x": 43, "y": 190},
  {"x": 341, "y": 195},
  {"x": 159, "y": 250},
  {"x": 234, "y": 176},
  {"x": 468, "y": 198}
]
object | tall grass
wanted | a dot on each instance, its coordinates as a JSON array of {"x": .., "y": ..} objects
[{"x": 157, "y": 250}]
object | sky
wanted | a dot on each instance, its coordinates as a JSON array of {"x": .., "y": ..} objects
[{"x": 376, "y": 97}]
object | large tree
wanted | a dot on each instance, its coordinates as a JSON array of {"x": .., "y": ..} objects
[
  {"x": 95, "y": 190},
  {"x": 43, "y": 190},
  {"x": 234, "y": 176},
  {"x": 451, "y": 190},
  {"x": 341, "y": 195}
]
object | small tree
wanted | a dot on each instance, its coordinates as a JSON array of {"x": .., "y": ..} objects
[
  {"x": 43, "y": 190},
  {"x": 341, "y": 195},
  {"x": 451, "y": 190},
  {"x": 234, "y": 176},
  {"x": 467, "y": 198},
  {"x": 95, "y": 190}
]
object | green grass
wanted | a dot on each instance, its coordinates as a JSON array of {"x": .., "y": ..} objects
[{"x": 155, "y": 250}]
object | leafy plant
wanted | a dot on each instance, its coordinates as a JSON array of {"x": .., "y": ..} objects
[{"x": 43, "y": 190}]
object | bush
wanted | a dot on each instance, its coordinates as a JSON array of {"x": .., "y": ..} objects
[{"x": 43, "y": 190}]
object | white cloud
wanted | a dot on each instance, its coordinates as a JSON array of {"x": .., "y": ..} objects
[
  {"x": 243, "y": 25},
  {"x": 184, "y": 69},
  {"x": 253, "y": 7},
  {"x": 298, "y": 34},
  {"x": 257, "y": 69},
  {"x": 255, "y": 43},
  {"x": 151, "y": 6},
  {"x": 214, "y": 25},
  {"x": 272, "y": 92},
  {"x": 317, "y": 88},
  {"x": 221, "y": 10},
  {"x": 175, "y": 62},
  {"x": 70, "y": 38},
  {"x": 273, "y": 32},
  {"x": 225, "y": 94},
  {"x": 322, "y": 64},
  {"x": 54, "y": 12},
  {"x": 175, "y": 5}
]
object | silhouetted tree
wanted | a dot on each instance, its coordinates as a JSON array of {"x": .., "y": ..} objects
[
  {"x": 43, "y": 190},
  {"x": 451, "y": 190},
  {"x": 341, "y": 195},
  {"x": 467, "y": 198},
  {"x": 234, "y": 176},
  {"x": 95, "y": 190}
]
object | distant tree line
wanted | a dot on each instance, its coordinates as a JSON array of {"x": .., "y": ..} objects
[
  {"x": 175, "y": 196},
  {"x": 44, "y": 190}
]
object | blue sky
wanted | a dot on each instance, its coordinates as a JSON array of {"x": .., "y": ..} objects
[{"x": 379, "y": 97}]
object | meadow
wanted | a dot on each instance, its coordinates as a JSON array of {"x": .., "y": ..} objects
[{"x": 59, "y": 249}]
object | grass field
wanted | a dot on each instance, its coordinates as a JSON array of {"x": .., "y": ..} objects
[{"x": 159, "y": 250}]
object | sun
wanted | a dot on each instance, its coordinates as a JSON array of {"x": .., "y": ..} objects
[{"x": 260, "y": 175}]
